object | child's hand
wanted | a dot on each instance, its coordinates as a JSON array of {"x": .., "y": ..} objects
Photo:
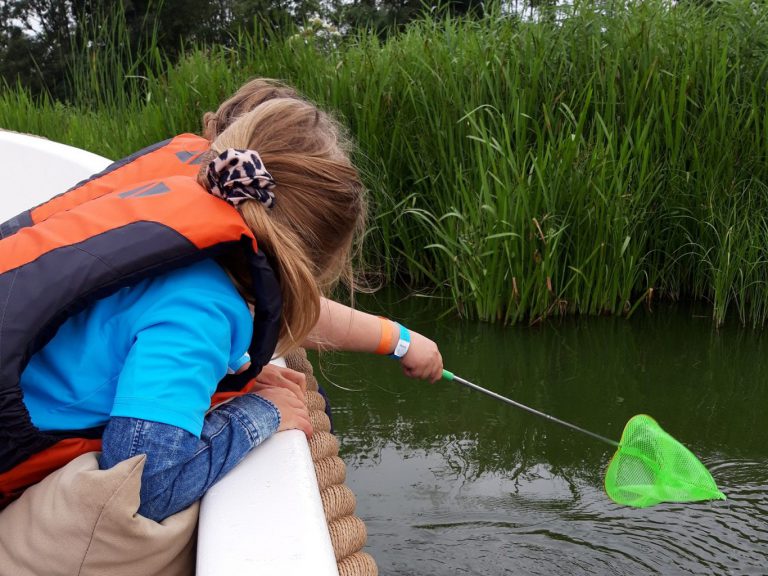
[
  {"x": 272, "y": 376},
  {"x": 423, "y": 359},
  {"x": 294, "y": 414}
]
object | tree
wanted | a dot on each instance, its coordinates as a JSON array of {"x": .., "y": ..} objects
[
  {"x": 41, "y": 39},
  {"x": 387, "y": 16},
  {"x": 34, "y": 43}
]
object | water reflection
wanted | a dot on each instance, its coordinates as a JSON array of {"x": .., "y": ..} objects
[{"x": 450, "y": 481}]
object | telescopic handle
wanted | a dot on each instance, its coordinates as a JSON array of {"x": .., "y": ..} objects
[{"x": 448, "y": 375}]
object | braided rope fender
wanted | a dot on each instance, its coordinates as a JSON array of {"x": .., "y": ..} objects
[{"x": 348, "y": 533}]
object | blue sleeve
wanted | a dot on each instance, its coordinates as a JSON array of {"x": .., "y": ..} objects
[
  {"x": 180, "y": 468},
  {"x": 181, "y": 348}
]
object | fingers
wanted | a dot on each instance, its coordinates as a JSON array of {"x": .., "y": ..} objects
[
  {"x": 303, "y": 424},
  {"x": 431, "y": 370},
  {"x": 295, "y": 417},
  {"x": 279, "y": 377},
  {"x": 283, "y": 398},
  {"x": 297, "y": 377},
  {"x": 291, "y": 387},
  {"x": 423, "y": 359},
  {"x": 294, "y": 414}
]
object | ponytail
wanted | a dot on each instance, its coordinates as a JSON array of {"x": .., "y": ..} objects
[
  {"x": 298, "y": 286},
  {"x": 319, "y": 204}
]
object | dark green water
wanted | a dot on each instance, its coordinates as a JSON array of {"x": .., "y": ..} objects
[{"x": 450, "y": 481}]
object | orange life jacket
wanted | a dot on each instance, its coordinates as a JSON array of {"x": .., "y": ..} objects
[{"x": 141, "y": 216}]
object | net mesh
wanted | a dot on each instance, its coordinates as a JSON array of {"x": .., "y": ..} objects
[{"x": 651, "y": 467}]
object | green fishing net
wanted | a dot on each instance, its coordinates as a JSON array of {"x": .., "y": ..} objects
[{"x": 651, "y": 467}]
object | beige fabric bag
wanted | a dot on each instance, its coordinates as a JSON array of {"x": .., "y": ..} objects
[{"x": 82, "y": 521}]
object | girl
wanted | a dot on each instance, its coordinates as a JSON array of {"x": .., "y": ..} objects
[
  {"x": 271, "y": 220},
  {"x": 339, "y": 327}
]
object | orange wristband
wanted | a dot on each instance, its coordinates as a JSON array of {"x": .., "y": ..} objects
[{"x": 386, "y": 336}]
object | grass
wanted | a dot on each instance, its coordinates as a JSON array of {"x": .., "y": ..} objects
[{"x": 589, "y": 162}]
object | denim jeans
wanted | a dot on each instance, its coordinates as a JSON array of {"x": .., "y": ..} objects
[{"x": 180, "y": 467}]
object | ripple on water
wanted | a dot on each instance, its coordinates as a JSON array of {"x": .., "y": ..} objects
[
  {"x": 713, "y": 537},
  {"x": 571, "y": 527}
]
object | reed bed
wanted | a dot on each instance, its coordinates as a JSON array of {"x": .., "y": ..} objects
[{"x": 590, "y": 161}]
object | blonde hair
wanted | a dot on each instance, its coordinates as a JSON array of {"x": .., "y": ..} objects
[
  {"x": 319, "y": 204},
  {"x": 248, "y": 96}
]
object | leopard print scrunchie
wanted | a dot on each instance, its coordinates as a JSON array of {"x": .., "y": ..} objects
[{"x": 239, "y": 175}]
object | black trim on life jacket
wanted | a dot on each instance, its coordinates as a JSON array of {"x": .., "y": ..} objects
[
  {"x": 24, "y": 219},
  {"x": 120, "y": 163},
  {"x": 13, "y": 225},
  {"x": 267, "y": 312},
  {"x": 33, "y": 306}
]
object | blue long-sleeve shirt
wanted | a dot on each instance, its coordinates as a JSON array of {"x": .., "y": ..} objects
[{"x": 144, "y": 362}]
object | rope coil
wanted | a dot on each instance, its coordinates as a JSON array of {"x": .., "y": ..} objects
[
  {"x": 338, "y": 501},
  {"x": 348, "y": 533},
  {"x": 329, "y": 471},
  {"x": 356, "y": 564},
  {"x": 323, "y": 445}
]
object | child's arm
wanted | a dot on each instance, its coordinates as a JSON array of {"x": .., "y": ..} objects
[
  {"x": 178, "y": 347},
  {"x": 343, "y": 328},
  {"x": 180, "y": 467}
]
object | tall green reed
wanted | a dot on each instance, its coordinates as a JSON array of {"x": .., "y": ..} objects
[{"x": 589, "y": 162}]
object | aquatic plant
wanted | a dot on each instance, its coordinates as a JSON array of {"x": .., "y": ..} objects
[{"x": 591, "y": 160}]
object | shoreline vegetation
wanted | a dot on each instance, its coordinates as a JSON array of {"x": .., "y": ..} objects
[{"x": 588, "y": 162}]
